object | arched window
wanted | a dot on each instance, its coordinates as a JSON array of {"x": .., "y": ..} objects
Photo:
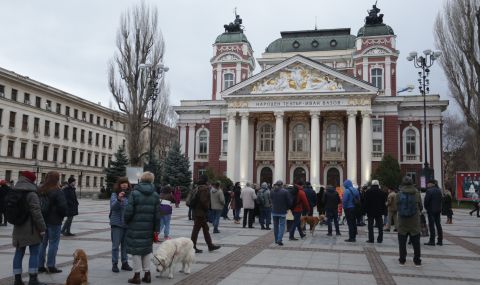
[
  {"x": 299, "y": 142},
  {"x": 333, "y": 138},
  {"x": 410, "y": 142},
  {"x": 203, "y": 142},
  {"x": 377, "y": 78},
  {"x": 228, "y": 80},
  {"x": 267, "y": 135}
]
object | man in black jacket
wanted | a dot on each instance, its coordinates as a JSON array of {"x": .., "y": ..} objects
[
  {"x": 72, "y": 203},
  {"x": 331, "y": 201},
  {"x": 433, "y": 205},
  {"x": 375, "y": 207}
]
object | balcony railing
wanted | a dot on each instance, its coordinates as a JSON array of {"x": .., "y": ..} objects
[
  {"x": 265, "y": 155},
  {"x": 411, "y": 157},
  {"x": 203, "y": 156},
  {"x": 333, "y": 156},
  {"x": 377, "y": 154},
  {"x": 298, "y": 155}
]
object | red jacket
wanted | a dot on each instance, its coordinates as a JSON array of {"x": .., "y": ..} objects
[{"x": 301, "y": 202}]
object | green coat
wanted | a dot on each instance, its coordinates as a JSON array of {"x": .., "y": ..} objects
[
  {"x": 142, "y": 218},
  {"x": 409, "y": 224}
]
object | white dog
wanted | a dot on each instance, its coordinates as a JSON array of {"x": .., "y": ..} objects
[{"x": 174, "y": 251}]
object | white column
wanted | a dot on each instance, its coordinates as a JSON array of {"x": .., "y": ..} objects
[
  {"x": 352, "y": 146},
  {"x": 315, "y": 149},
  {"x": 232, "y": 131},
  {"x": 366, "y": 146},
  {"x": 437, "y": 153},
  {"x": 191, "y": 146},
  {"x": 238, "y": 73},
  {"x": 244, "y": 148},
  {"x": 279, "y": 148},
  {"x": 183, "y": 138},
  {"x": 388, "y": 76},
  {"x": 4, "y": 145},
  {"x": 365, "y": 70},
  {"x": 219, "y": 80}
]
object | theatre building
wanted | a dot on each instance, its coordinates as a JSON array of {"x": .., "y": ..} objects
[{"x": 323, "y": 108}]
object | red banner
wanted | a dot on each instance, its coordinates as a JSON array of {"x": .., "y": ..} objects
[{"x": 468, "y": 185}]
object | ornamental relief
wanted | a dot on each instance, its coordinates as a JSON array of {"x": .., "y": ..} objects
[
  {"x": 359, "y": 102},
  {"x": 229, "y": 57},
  {"x": 383, "y": 41},
  {"x": 238, "y": 104},
  {"x": 376, "y": 51},
  {"x": 230, "y": 48},
  {"x": 298, "y": 78}
]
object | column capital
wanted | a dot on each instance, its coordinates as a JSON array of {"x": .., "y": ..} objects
[
  {"x": 279, "y": 114},
  {"x": 436, "y": 123},
  {"x": 182, "y": 125},
  {"x": 191, "y": 125},
  {"x": 366, "y": 113},
  {"x": 352, "y": 113},
  {"x": 244, "y": 114},
  {"x": 231, "y": 114},
  {"x": 315, "y": 114}
]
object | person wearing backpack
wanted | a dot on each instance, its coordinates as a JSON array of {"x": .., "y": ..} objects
[
  {"x": 30, "y": 230},
  {"x": 409, "y": 206},
  {"x": 53, "y": 215},
  {"x": 265, "y": 202},
  {"x": 433, "y": 205},
  {"x": 375, "y": 200},
  {"x": 72, "y": 203},
  {"x": 351, "y": 206}
]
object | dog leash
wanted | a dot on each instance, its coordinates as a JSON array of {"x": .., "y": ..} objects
[{"x": 173, "y": 257}]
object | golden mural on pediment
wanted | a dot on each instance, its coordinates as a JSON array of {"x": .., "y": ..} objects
[{"x": 298, "y": 78}]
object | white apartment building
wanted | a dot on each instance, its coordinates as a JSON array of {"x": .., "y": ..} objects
[{"x": 45, "y": 129}]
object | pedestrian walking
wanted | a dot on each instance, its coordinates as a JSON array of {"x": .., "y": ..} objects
[
  {"x": 217, "y": 202},
  {"x": 265, "y": 204},
  {"x": 299, "y": 205},
  {"x": 141, "y": 216},
  {"x": 476, "y": 204},
  {"x": 311, "y": 198},
  {"x": 30, "y": 232},
  {"x": 165, "y": 207},
  {"x": 350, "y": 203},
  {"x": 4, "y": 190},
  {"x": 281, "y": 202},
  {"x": 178, "y": 196},
  {"x": 447, "y": 204},
  {"x": 331, "y": 200},
  {"x": 57, "y": 209},
  {"x": 375, "y": 200},
  {"x": 392, "y": 210},
  {"x": 409, "y": 207},
  {"x": 237, "y": 202},
  {"x": 320, "y": 202},
  {"x": 433, "y": 205},
  {"x": 200, "y": 211},
  {"x": 248, "y": 197},
  {"x": 227, "y": 196},
  {"x": 118, "y": 227},
  {"x": 72, "y": 204}
]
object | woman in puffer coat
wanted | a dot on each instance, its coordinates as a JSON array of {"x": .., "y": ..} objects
[{"x": 142, "y": 216}]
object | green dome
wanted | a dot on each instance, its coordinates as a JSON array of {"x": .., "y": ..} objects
[
  {"x": 231, "y": 37},
  {"x": 313, "y": 40},
  {"x": 375, "y": 30}
]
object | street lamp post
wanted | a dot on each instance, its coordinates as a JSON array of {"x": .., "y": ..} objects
[
  {"x": 80, "y": 176},
  {"x": 424, "y": 62},
  {"x": 156, "y": 74}
]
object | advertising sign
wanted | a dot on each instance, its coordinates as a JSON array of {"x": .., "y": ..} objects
[{"x": 468, "y": 185}]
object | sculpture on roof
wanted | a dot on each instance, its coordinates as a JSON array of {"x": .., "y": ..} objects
[
  {"x": 373, "y": 17},
  {"x": 236, "y": 26}
]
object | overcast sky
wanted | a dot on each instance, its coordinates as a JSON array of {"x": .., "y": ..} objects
[{"x": 67, "y": 44}]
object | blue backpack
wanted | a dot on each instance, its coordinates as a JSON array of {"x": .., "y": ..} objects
[{"x": 407, "y": 204}]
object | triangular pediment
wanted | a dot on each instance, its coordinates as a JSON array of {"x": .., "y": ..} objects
[{"x": 299, "y": 74}]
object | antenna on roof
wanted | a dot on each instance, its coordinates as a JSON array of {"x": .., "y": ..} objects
[{"x": 315, "y": 23}]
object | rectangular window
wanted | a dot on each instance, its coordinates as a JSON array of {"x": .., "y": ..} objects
[
  {"x": 1, "y": 116},
  {"x": 45, "y": 152},
  {"x": 228, "y": 80},
  {"x": 55, "y": 154},
  {"x": 8, "y": 175},
  {"x": 94, "y": 181},
  {"x": 90, "y": 137},
  {"x": 65, "y": 132},
  {"x": 25, "y": 123},
  {"x": 103, "y": 161},
  {"x": 101, "y": 181},
  {"x": 377, "y": 146},
  {"x": 89, "y": 159},
  {"x": 64, "y": 157},
  {"x": 58, "y": 108},
  {"x": 2, "y": 92},
  {"x": 111, "y": 124},
  {"x": 105, "y": 123},
  {"x": 11, "y": 122},
  {"x": 26, "y": 98},
  {"x": 75, "y": 113},
  {"x": 10, "y": 148},
  {"x": 91, "y": 118},
  {"x": 56, "y": 133},
  {"x": 377, "y": 78},
  {"x": 63, "y": 178},
  {"x": 97, "y": 139},
  {"x": 36, "y": 125},
  {"x": 48, "y": 105},
  {"x": 84, "y": 116},
  {"x": 81, "y": 157},
  {"x": 47, "y": 128},
  {"x": 82, "y": 136},
  {"x": 96, "y": 160},
  {"x": 14, "y": 94},
  {"x": 74, "y": 134},
  {"x": 224, "y": 138},
  {"x": 80, "y": 178},
  {"x": 110, "y": 142},
  {"x": 67, "y": 111},
  {"x": 38, "y": 102},
  {"x": 104, "y": 141},
  {"x": 87, "y": 181},
  {"x": 74, "y": 156},
  {"x": 34, "y": 151},
  {"x": 23, "y": 150},
  {"x": 98, "y": 120},
  {"x": 377, "y": 126}
]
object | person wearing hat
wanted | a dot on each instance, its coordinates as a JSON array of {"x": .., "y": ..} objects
[
  {"x": 4, "y": 189},
  {"x": 29, "y": 233},
  {"x": 281, "y": 202},
  {"x": 433, "y": 205},
  {"x": 72, "y": 203},
  {"x": 375, "y": 200}
]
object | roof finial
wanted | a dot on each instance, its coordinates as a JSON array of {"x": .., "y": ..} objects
[
  {"x": 236, "y": 25},
  {"x": 374, "y": 18},
  {"x": 315, "y": 23}
]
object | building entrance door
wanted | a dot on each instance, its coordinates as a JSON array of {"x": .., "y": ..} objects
[
  {"x": 266, "y": 175},
  {"x": 333, "y": 177},
  {"x": 299, "y": 175}
]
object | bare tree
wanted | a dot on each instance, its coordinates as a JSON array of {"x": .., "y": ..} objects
[
  {"x": 139, "y": 40},
  {"x": 457, "y": 34}
]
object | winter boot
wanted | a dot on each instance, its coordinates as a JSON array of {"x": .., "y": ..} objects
[
  {"x": 126, "y": 267},
  {"x": 18, "y": 280},
  {"x": 135, "y": 279},
  {"x": 147, "y": 278},
  {"x": 155, "y": 237},
  {"x": 34, "y": 280}
]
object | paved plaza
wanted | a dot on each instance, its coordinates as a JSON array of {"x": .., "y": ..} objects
[{"x": 249, "y": 256}]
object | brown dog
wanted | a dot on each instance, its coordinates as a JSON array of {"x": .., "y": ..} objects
[
  {"x": 312, "y": 221},
  {"x": 79, "y": 273}
]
